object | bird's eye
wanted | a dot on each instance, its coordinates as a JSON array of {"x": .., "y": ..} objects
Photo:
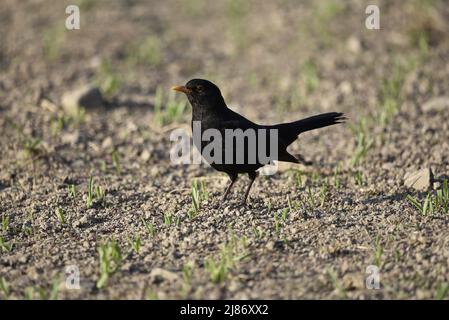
[{"x": 199, "y": 89}]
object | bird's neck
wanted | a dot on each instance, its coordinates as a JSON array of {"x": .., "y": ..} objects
[{"x": 202, "y": 112}]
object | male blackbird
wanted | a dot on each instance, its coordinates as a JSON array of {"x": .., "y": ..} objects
[{"x": 210, "y": 109}]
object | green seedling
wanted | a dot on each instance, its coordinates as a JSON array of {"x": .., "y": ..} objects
[
  {"x": 204, "y": 192},
  {"x": 100, "y": 193},
  {"x": 435, "y": 202},
  {"x": 218, "y": 271},
  {"x": 196, "y": 199},
  {"x": 43, "y": 293},
  {"x": 5, "y": 224},
  {"x": 168, "y": 219},
  {"x": 285, "y": 212},
  {"x": 168, "y": 109},
  {"x": 258, "y": 233},
  {"x": 310, "y": 76},
  {"x": 358, "y": 178},
  {"x": 311, "y": 198},
  {"x": 4, "y": 245},
  {"x": 53, "y": 41},
  {"x": 187, "y": 272},
  {"x": 4, "y": 288},
  {"x": 90, "y": 193},
  {"x": 147, "y": 52},
  {"x": 336, "y": 283},
  {"x": 269, "y": 206},
  {"x": 378, "y": 251},
  {"x": 116, "y": 162},
  {"x": 337, "y": 183},
  {"x": 277, "y": 223},
  {"x": 94, "y": 192},
  {"x": 110, "y": 259},
  {"x": 364, "y": 144},
  {"x": 72, "y": 191},
  {"x": 323, "y": 194},
  {"x": 135, "y": 243},
  {"x": 442, "y": 292},
  {"x": 108, "y": 79},
  {"x": 299, "y": 180},
  {"x": 231, "y": 253},
  {"x": 60, "y": 214},
  {"x": 151, "y": 295},
  {"x": 151, "y": 230}
]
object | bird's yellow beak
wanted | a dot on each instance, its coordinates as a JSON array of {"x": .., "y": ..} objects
[{"x": 181, "y": 89}]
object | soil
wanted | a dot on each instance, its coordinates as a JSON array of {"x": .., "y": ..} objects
[{"x": 307, "y": 238}]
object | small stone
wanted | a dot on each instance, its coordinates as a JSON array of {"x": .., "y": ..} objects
[
  {"x": 353, "y": 44},
  {"x": 107, "y": 143},
  {"x": 23, "y": 259},
  {"x": 423, "y": 294},
  {"x": 346, "y": 88},
  {"x": 126, "y": 266},
  {"x": 48, "y": 105},
  {"x": 436, "y": 104},
  {"x": 154, "y": 171},
  {"x": 270, "y": 245},
  {"x": 87, "y": 97},
  {"x": 158, "y": 274},
  {"x": 70, "y": 138},
  {"x": 420, "y": 180},
  {"x": 131, "y": 126},
  {"x": 81, "y": 221},
  {"x": 145, "y": 155},
  {"x": 234, "y": 286}
]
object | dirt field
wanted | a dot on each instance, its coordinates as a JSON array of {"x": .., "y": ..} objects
[{"x": 308, "y": 232}]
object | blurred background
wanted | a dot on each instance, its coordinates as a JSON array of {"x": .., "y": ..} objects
[{"x": 304, "y": 54}]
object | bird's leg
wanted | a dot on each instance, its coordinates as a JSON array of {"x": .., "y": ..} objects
[
  {"x": 252, "y": 176},
  {"x": 233, "y": 178}
]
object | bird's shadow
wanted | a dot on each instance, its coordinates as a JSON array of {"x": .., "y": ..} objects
[
  {"x": 387, "y": 198},
  {"x": 117, "y": 103},
  {"x": 402, "y": 195}
]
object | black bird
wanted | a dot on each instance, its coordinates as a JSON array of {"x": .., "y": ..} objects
[{"x": 210, "y": 109}]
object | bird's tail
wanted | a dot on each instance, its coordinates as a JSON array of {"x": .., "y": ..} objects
[
  {"x": 318, "y": 121},
  {"x": 288, "y": 132}
]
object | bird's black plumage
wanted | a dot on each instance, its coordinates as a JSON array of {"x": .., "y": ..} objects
[{"x": 210, "y": 109}]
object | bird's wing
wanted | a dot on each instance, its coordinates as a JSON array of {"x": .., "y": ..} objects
[{"x": 233, "y": 120}]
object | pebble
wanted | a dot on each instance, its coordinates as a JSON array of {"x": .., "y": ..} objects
[
  {"x": 420, "y": 180},
  {"x": 436, "y": 104},
  {"x": 87, "y": 97}
]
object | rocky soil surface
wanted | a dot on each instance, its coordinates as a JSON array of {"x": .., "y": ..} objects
[{"x": 92, "y": 190}]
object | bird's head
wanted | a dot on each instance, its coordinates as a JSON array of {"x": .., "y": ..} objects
[{"x": 202, "y": 93}]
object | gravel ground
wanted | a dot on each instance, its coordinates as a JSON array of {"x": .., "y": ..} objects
[{"x": 307, "y": 232}]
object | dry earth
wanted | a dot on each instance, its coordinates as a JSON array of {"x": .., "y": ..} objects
[{"x": 308, "y": 232}]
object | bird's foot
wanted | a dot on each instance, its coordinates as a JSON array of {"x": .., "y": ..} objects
[
  {"x": 244, "y": 203},
  {"x": 234, "y": 205}
]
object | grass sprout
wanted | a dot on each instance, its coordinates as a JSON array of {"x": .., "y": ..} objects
[
  {"x": 230, "y": 254},
  {"x": 110, "y": 259},
  {"x": 168, "y": 108},
  {"x": 60, "y": 214},
  {"x": 435, "y": 202}
]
